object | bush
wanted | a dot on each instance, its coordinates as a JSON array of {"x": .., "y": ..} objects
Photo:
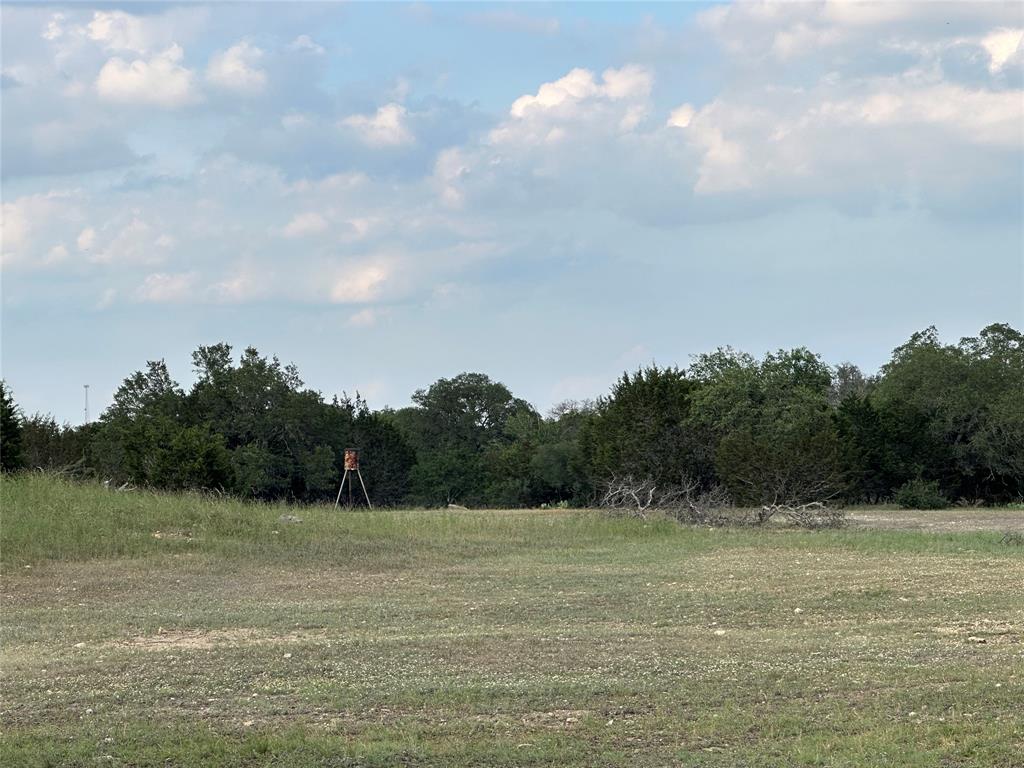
[{"x": 921, "y": 494}]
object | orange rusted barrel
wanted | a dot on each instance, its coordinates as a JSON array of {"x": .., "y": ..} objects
[{"x": 351, "y": 459}]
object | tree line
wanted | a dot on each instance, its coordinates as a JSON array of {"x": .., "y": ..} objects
[{"x": 939, "y": 423}]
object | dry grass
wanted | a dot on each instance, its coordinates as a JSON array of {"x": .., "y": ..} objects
[{"x": 551, "y": 639}]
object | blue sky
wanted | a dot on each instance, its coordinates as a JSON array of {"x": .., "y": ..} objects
[{"x": 386, "y": 194}]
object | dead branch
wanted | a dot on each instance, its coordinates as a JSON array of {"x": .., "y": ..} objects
[
  {"x": 685, "y": 501},
  {"x": 813, "y": 515}
]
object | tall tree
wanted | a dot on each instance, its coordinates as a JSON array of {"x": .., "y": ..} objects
[
  {"x": 642, "y": 429},
  {"x": 953, "y": 412},
  {"x": 143, "y": 437},
  {"x": 11, "y": 456},
  {"x": 454, "y": 422},
  {"x": 559, "y": 464},
  {"x": 771, "y": 421}
]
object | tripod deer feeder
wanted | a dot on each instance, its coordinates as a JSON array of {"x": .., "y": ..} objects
[{"x": 351, "y": 468}]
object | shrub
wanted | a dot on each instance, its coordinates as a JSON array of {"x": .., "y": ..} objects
[{"x": 921, "y": 494}]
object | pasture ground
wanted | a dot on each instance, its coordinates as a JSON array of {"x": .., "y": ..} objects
[{"x": 158, "y": 630}]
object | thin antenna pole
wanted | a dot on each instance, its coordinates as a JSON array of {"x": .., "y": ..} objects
[{"x": 86, "y": 387}]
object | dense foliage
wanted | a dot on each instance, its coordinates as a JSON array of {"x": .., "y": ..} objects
[
  {"x": 939, "y": 422},
  {"x": 11, "y": 456}
]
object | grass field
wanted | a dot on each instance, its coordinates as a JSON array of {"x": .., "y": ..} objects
[{"x": 159, "y": 630}]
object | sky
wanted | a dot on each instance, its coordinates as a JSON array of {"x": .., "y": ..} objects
[{"x": 387, "y": 194}]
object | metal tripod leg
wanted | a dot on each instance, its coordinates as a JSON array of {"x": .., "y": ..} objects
[
  {"x": 360, "y": 474},
  {"x": 341, "y": 487}
]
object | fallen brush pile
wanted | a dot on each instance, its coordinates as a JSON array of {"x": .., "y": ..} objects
[
  {"x": 813, "y": 515},
  {"x": 688, "y": 503}
]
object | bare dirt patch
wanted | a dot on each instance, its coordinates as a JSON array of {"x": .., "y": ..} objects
[
  {"x": 198, "y": 639},
  {"x": 955, "y": 520}
]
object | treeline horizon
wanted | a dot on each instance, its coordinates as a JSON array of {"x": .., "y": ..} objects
[{"x": 945, "y": 421}]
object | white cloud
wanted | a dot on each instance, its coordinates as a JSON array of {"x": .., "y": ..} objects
[
  {"x": 159, "y": 81},
  {"x": 387, "y": 127},
  {"x": 303, "y": 224},
  {"x": 760, "y": 33},
  {"x": 578, "y": 104},
  {"x": 142, "y": 34},
  {"x": 237, "y": 68},
  {"x": 365, "y": 318},
  {"x": 56, "y": 254},
  {"x": 575, "y": 86},
  {"x": 978, "y": 116},
  {"x": 724, "y": 165},
  {"x": 578, "y": 137},
  {"x": 15, "y": 226},
  {"x": 246, "y": 282},
  {"x": 359, "y": 227},
  {"x": 451, "y": 170},
  {"x": 563, "y": 155},
  {"x": 25, "y": 221},
  {"x": 54, "y": 27},
  {"x": 359, "y": 283},
  {"x": 86, "y": 239},
  {"x": 681, "y": 116},
  {"x": 306, "y": 44},
  {"x": 893, "y": 131},
  {"x": 120, "y": 31},
  {"x": 1001, "y": 46},
  {"x": 135, "y": 242},
  {"x": 161, "y": 287},
  {"x": 582, "y": 141},
  {"x": 630, "y": 82}
]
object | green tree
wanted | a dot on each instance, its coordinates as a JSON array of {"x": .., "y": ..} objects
[
  {"x": 143, "y": 437},
  {"x": 869, "y": 461},
  {"x": 139, "y": 423},
  {"x": 848, "y": 381},
  {"x": 454, "y": 424},
  {"x": 507, "y": 463},
  {"x": 642, "y": 429},
  {"x": 771, "y": 423},
  {"x": 386, "y": 457},
  {"x": 11, "y": 455},
  {"x": 285, "y": 441},
  {"x": 559, "y": 464},
  {"x": 953, "y": 413},
  {"x": 54, "y": 447},
  {"x": 279, "y": 435},
  {"x": 192, "y": 458}
]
